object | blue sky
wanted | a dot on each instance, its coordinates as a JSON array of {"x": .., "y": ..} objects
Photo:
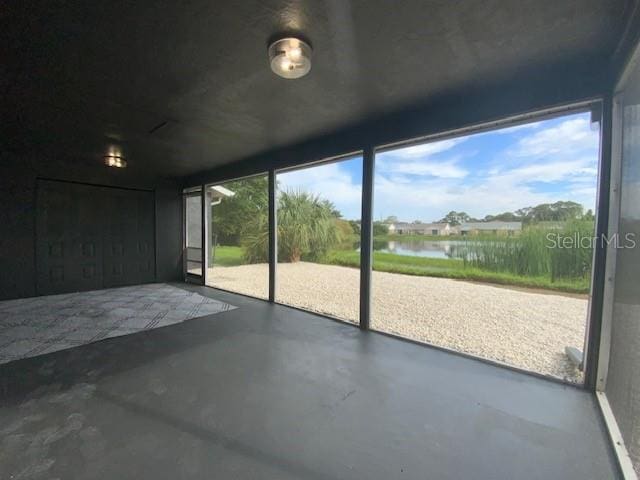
[{"x": 481, "y": 174}]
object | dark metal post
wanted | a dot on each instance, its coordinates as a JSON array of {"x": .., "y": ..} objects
[
  {"x": 203, "y": 230},
  {"x": 185, "y": 270},
  {"x": 366, "y": 236},
  {"x": 208, "y": 217},
  {"x": 592, "y": 343},
  {"x": 273, "y": 238}
]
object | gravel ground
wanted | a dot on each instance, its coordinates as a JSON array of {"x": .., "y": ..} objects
[{"x": 527, "y": 329}]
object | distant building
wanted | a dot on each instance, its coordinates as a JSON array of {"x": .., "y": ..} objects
[
  {"x": 404, "y": 228},
  {"x": 496, "y": 228}
]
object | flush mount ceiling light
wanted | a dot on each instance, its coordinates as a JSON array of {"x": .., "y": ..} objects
[
  {"x": 114, "y": 158},
  {"x": 290, "y": 57}
]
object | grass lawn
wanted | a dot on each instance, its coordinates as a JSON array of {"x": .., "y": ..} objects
[
  {"x": 452, "y": 268},
  {"x": 227, "y": 256}
]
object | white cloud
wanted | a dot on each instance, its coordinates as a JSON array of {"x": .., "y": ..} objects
[
  {"x": 426, "y": 149},
  {"x": 330, "y": 181},
  {"x": 570, "y": 137},
  {"x": 431, "y": 200},
  {"x": 543, "y": 164},
  {"x": 546, "y": 165},
  {"x": 571, "y": 170},
  {"x": 417, "y": 160},
  {"x": 446, "y": 169}
]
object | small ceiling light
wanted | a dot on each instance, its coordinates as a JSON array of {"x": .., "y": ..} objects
[
  {"x": 290, "y": 57},
  {"x": 114, "y": 158}
]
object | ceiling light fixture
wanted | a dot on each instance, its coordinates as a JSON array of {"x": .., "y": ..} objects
[
  {"x": 290, "y": 57},
  {"x": 114, "y": 158}
]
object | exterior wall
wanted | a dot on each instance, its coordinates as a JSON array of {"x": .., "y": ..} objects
[
  {"x": 419, "y": 229},
  {"x": 503, "y": 232},
  {"x": 623, "y": 380},
  {"x": 489, "y": 228}
]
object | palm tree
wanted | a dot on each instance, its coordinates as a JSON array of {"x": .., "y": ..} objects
[{"x": 306, "y": 226}]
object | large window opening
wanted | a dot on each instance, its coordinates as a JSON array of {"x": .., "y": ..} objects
[
  {"x": 318, "y": 228},
  {"x": 238, "y": 236},
  {"x": 483, "y": 243}
]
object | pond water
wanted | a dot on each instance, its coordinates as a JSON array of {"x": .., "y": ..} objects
[{"x": 420, "y": 248}]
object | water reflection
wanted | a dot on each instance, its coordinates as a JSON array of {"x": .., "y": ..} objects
[{"x": 421, "y": 248}]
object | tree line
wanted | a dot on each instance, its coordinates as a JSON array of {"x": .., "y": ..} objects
[{"x": 561, "y": 211}]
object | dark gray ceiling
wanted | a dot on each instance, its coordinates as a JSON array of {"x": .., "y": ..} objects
[{"x": 80, "y": 75}]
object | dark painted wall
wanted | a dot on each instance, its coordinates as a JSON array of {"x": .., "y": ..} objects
[
  {"x": 18, "y": 214},
  {"x": 168, "y": 233}
]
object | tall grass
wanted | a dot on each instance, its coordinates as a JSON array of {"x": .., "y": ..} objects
[
  {"x": 574, "y": 262},
  {"x": 535, "y": 252}
]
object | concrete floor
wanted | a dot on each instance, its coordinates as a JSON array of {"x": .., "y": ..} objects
[{"x": 269, "y": 392}]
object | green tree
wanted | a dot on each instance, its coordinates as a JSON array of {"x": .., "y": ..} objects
[
  {"x": 455, "y": 218},
  {"x": 556, "y": 212},
  {"x": 589, "y": 216},
  {"x": 230, "y": 217},
  {"x": 331, "y": 208},
  {"x": 307, "y": 227},
  {"x": 503, "y": 217},
  {"x": 380, "y": 228},
  {"x": 561, "y": 211},
  {"x": 345, "y": 230}
]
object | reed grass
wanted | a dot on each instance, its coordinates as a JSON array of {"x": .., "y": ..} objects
[{"x": 535, "y": 252}]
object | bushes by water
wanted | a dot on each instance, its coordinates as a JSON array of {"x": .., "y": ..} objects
[{"x": 558, "y": 254}]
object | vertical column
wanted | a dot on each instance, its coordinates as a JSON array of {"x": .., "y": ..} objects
[
  {"x": 592, "y": 342},
  {"x": 273, "y": 237},
  {"x": 206, "y": 205},
  {"x": 610, "y": 268},
  {"x": 184, "y": 236},
  {"x": 208, "y": 225},
  {"x": 366, "y": 236}
]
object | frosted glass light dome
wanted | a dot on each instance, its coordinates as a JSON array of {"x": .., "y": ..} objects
[{"x": 290, "y": 57}]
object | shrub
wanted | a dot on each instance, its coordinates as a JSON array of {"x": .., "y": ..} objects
[{"x": 307, "y": 227}]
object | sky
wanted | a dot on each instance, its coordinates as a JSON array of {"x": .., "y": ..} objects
[{"x": 481, "y": 174}]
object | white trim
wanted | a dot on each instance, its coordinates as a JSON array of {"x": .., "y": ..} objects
[
  {"x": 622, "y": 455},
  {"x": 222, "y": 190}
]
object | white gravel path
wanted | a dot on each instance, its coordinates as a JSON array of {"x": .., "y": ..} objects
[{"x": 527, "y": 329}]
